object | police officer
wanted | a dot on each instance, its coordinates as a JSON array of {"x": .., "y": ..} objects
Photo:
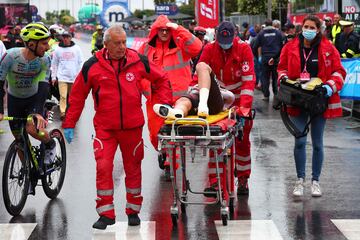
[{"x": 347, "y": 43}]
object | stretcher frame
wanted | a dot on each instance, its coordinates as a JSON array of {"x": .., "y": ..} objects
[{"x": 223, "y": 147}]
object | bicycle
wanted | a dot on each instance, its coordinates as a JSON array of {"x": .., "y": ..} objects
[{"x": 24, "y": 166}]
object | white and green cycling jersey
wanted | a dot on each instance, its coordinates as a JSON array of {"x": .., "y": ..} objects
[{"x": 23, "y": 76}]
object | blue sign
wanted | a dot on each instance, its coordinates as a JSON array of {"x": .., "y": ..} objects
[
  {"x": 351, "y": 88},
  {"x": 166, "y": 9},
  {"x": 114, "y": 11}
]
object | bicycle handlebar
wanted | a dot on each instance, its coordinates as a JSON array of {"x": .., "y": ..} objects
[{"x": 28, "y": 119}]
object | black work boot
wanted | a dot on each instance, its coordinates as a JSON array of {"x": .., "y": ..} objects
[
  {"x": 243, "y": 187},
  {"x": 133, "y": 219},
  {"x": 211, "y": 192},
  {"x": 103, "y": 222}
]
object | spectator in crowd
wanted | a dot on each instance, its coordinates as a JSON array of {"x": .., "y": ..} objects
[
  {"x": 290, "y": 32},
  {"x": 276, "y": 24},
  {"x": 113, "y": 75},
  {"x": 245, "y": 34},
  {"x": 10, "y": 40},
  {"x": 328, "y": 28},
  {"x": 312, "y": 55},
  {"x": 269, "y": 44},
  {"x": 97, "y": 39},
  {"x": 192, "y": 26},
  {"x": 170, "y": 46},
  {"x": 347, "y": 42},
  {"x": 336, "y": 28},
  {"x": 254, "y": 31},
  {"x": 200, "y": 33},
  {"x": 65, "y": 65},
  {"x": 18, "y": 40},
  {"x": 2, "y": 49}
]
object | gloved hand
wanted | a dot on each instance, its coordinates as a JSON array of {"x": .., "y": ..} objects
[
  {"x": 329, "y": 91},
  {"x": 69, "y": 134},
  {"x": 172, "y": 25},
  {"x": 259, "y": 59},
  {"x": 284, "y": 78}
]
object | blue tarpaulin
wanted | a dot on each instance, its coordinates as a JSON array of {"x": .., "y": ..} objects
[{"x": 351, "y": 88}]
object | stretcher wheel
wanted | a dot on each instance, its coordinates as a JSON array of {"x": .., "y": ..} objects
[
  {"x": 183, "y": 205},
  {"x": 224, "y": 218},
  {"x": 231, "y": 205},
  {"x": 183, "y": 208},
  {"x": 174, "y": 218}
]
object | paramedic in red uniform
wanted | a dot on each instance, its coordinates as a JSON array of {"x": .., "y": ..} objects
[
  {"x": 171, "y": 47},
  {"x": 233, "y": 67},
  {"x": 113, "y": 75}
]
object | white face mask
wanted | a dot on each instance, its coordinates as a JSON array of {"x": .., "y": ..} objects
[{"x": 226, "y": 46}]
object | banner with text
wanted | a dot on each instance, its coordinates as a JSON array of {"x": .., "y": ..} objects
[
  {"x": 351, "y": 11},
  {"x": 351, "y": 88},
  {"x": 114, "y": 11},
  {"x": 207, "y": 13}
]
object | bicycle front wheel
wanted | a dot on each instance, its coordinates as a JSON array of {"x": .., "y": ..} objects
[
  {"x": 15, "y": 179},
  {"x": 54, "y": 176}
]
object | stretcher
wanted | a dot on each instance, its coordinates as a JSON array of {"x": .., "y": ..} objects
[{"x": 216, "y": 133}]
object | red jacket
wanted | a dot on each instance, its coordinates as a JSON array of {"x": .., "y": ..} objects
[
  {"x": 234, "y": 69},
  {"x": 117, "y": 96},
  {"x": 330, "y": 71},
  {"x": 173, "y": 56}
]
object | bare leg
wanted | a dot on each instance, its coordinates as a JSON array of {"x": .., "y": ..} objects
[
  {"x": 183, "y": 104},
  {"x": 203, "y": 71}
]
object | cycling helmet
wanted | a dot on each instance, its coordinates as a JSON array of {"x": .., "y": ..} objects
[
  {"x": 60, "y": 30},
  {"x": 99, "y": 27},
  {"x": 34, "y": 31}
]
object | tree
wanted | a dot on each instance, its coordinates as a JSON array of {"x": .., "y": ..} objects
[
  {"x": 141, "y": 13},
  {"x": 157, "y": 2},
  {"x": 231, "y": 6},
  {"x": 252, "y": 7},
  {"x": 188, "y": 8}
]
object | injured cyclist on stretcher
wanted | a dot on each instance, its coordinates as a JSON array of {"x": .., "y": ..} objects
[{"x": 206, "y": 97}]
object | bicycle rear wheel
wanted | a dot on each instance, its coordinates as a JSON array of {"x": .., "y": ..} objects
[
  {"x": 54, "y": 176},
  {"x": 15, "y": 180}
]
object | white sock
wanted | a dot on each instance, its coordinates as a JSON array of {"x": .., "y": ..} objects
[{"x": 203, "y": 96}]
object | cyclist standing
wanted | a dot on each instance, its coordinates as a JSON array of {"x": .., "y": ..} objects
[{"x": 26, "y": 71}]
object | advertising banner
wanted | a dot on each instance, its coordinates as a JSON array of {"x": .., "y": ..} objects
[
  {"x": 207, "y": 13},
  {"x": 114, "y": 11},
  {"x": 351, "y": 11},
  {"x": 166, "y": 9},
  {"x": 351, "y": 88}
]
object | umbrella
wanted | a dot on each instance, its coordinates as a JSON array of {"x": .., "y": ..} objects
[
  {"x": 130, "y": 19},
  {"x": 178, "y": 16},
  {"x": 137, "y": 23}
]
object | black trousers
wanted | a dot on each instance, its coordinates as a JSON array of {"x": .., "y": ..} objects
[{"x": 267, "y": 72}]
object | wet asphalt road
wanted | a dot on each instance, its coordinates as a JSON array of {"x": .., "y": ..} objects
[{"x": 71, "y": 215}]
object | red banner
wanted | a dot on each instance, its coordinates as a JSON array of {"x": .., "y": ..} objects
[
  {"x": 298, "y": 19},
  {"x": 207, "y": 13}
]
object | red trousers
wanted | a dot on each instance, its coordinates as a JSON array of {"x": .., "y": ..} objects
[
  {"x": 242, "y": 156},
  {"x": 131, "y": 145},
  {"x": 154, "y": 124}
]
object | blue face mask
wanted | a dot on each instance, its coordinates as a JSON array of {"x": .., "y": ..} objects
[
  {"x": 225, "y": 46},
  {"x": 309, "y": 34}
]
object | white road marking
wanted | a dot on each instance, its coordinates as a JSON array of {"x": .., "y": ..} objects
[
  {"x": 121, "y": 230},
  {"x": 248, "y": 230},
  {"x": 349, "y": 227},
  {"x": 16, "y": 231}
]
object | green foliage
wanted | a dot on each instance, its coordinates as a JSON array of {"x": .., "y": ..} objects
[
  {"x": 63, "y": 17},
  {"x": 252, "y": 7},
  {"x": 157, "y": 2},
  {"x": 188, "y": 8},
  {"x": 231, "y": 6},
  {"x": 140, "y": 13}
]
